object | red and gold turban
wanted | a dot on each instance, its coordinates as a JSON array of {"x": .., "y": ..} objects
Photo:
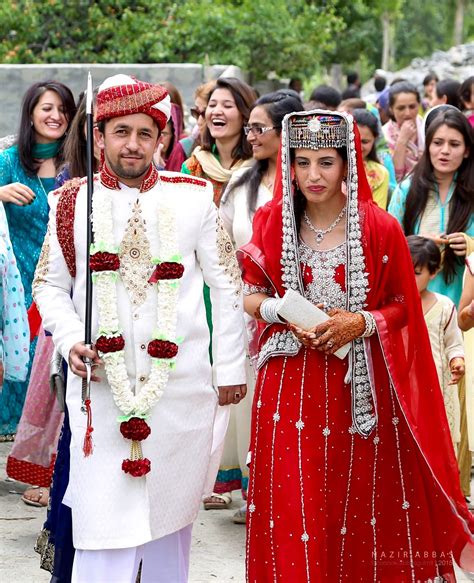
[{"x": 122, "y": 95}]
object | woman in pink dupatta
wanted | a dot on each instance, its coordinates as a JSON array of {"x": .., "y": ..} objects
[{"x": 404, "y": 132}]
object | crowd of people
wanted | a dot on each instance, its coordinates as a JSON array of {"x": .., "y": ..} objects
[{"x": 283, "y": 305}]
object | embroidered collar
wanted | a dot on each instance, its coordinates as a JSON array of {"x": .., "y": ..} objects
[{"x": 111, "y": 181}]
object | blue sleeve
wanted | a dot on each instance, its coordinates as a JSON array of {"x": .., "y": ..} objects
[
  {"x": 398, "y": 201},
  {"x": 392, "y": 180}
]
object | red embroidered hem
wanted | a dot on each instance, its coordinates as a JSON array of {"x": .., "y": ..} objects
[{"x": 30, "y": 473}]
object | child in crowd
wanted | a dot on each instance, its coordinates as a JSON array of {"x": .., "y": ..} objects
[{"x": 441, "y": 321}]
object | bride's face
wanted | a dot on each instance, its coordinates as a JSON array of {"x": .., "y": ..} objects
[{"x": 319, "y": 173}]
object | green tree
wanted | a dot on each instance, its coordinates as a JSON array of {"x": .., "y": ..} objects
[{"x": 270, "y": 35}]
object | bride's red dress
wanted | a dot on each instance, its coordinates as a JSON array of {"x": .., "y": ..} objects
[{"x": 326, "y": 504}]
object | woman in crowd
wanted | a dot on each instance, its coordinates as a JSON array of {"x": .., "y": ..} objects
[
  {"x": 447, "y": 92},
  {"x": 429, "y": 89},
  {"x": 170, "y": 154},
  {"x": 404, "y": 131},
  {"x": 224, "y": 147},
  {"x": 438, "y": 199},
  {"x": 438, "y": 202},
  {"x": 333, "y": 439},
  {"x": 467, "y": 98},
  {"x": 377, "y": 174},
  {"x": 33, "y": 454},
  {"x": 176, "y": 98},
  {"x": 27, "y": 174},
  {"x": 248, "y": 190}
]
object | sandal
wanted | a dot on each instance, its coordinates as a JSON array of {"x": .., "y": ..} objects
[
  {"x": 42, "y": 499},
  {"x": 217, "y": 501},
  {"x": 240, "y": 517}
]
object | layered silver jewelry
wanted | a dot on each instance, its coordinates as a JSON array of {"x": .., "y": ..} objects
[
  {"x": 269, "y": 310},
  {"x": 369, "y": 323},
  {"x": 320, "y": 233}
]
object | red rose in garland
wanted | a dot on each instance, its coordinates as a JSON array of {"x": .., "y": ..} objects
[
  {"x": 135, "y": 428},
  {"x": 167, "y": 270},
  {"x": 103, "y": 261},
  {"x": 162, "y": 349},
  {"x": 112, "y": 344},
  {"x": 136, "y": 468}
]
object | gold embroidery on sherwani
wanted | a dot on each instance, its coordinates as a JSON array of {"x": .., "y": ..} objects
[
  {"x": 135, "y": 258},
  {"x": 226, "y": 254},
  {"x": 42, "y": 267}
]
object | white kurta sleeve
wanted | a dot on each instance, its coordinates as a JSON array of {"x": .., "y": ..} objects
[
  {"x": 52, "y": 287},
  {"x": 216, "y": 256},
  {"x": 453, "y": 342}
]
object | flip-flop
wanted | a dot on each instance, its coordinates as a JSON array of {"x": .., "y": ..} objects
[{"x": 36, "y": 503}]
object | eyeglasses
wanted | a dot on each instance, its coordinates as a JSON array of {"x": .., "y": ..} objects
[
  {"x": 258, "y": 130},
  {"x": 197, "y": 113}
]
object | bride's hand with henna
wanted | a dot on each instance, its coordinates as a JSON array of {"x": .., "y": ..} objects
[{"x": 341, "y": 328}]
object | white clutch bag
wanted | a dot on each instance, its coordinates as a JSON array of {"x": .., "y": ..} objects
[{"x": 302, "y": 313}]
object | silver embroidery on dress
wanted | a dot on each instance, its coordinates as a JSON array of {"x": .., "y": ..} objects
[
  {"x": 363, "y": 406},
  {"x": 323, "y": 264},
  {"x": 281, "y": 343}
]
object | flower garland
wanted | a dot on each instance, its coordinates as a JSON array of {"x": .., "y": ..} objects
[{"x": 110, "y": 342}]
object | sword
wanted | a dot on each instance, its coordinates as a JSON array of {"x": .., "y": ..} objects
[{"x": 86, "y": 383}]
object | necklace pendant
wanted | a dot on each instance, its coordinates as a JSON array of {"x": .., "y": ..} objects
[{"x": 319, "y": 237}]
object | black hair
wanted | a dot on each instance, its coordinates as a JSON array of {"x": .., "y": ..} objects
[
  {"x": 26, "y": 132},
  {"x": 364, "y": 117},
  {"x": 432, "y": 113},
  {"x": 288, "y": 92},
  {"x": 327, "y": 96},
  {"x": 424, "y": 253},
  {"x": 276, "y": 105},
  {"x": 299, "y": 200},
  {"x": 380, "y": 83},
  {"x": 401, "y": 87},
  {"x": 450, "y": 89},
  {"x": 75, "y": 144},
  {"x": 352, "y": 77},
  {"x": 461, "y": 206},
  {"x": 244, "y": 97},
  {"x": 430, "y": 77},
  {"x": 466, "y": 90}
]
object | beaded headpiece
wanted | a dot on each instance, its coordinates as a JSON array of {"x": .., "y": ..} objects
[{"x": 317, "y": 131}]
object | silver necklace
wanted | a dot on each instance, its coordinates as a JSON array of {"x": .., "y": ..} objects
[{"x": 319, "y": 233}]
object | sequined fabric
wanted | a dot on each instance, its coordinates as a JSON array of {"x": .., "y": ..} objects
[{"x": 325, "y": 503}]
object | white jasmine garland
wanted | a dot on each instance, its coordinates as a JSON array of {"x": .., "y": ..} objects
[{"x": 109, "y": 326}]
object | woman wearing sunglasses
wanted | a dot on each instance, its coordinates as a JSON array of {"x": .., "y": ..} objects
[
  {"x": 224, "y": 147},
  {"x": 248, "y": 190}
]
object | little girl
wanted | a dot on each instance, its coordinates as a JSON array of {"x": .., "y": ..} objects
[{"x": 441, "y": 321}]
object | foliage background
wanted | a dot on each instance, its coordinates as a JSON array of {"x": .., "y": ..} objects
[{"x": 287, "y": 37}]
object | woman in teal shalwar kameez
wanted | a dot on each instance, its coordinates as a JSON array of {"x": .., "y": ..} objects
[{"x": 27, "y": 174}]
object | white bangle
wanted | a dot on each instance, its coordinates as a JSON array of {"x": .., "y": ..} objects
[
  {"x": 369, "y": 323},
  {"x": 269, "y": 310}
]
